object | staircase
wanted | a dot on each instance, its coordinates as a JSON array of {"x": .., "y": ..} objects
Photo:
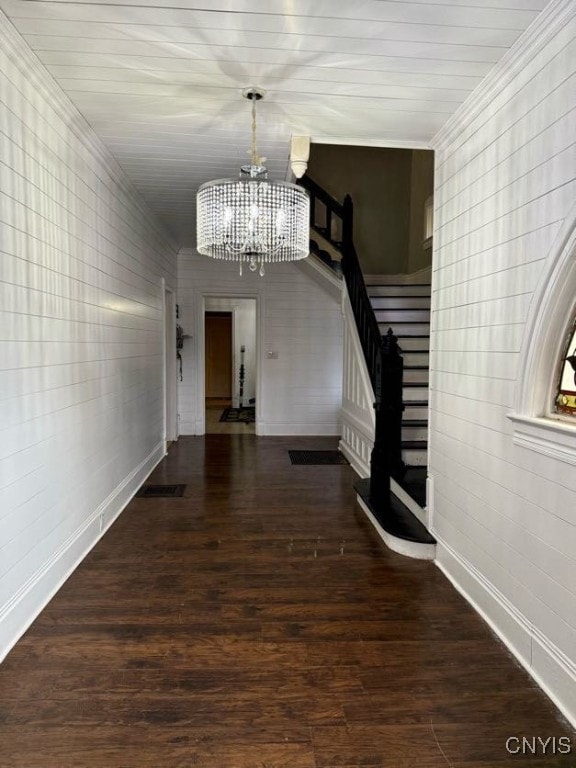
[
  {"x": 387, "y": 354},
  {"x": 406, "y": 309}
]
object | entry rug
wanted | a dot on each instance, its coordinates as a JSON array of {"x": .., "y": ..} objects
[
  {"x": 317, "y": 458},
  {"x": 161, "y": 491},
  {"x": 239, "y": 415}
]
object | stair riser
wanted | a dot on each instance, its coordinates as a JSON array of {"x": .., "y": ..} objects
[
  {"x": 392, "y": 316},
  {"x": 415, "y": 376},
  {"x": 415, "y": 457},
  {"x": 412, "y": 412},
  {"x": 399, "y": 302},
  {"x": 414, "y": 393},
  {"x": 415, "y": 358},
  {"x": 398, "y": 290},
  {"x": 420, "y": 344},
  {"x": 407, "y": 329},
  {"x": 414, "y": 433}
]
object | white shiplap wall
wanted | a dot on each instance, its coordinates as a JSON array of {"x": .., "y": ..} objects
[
  {"x": 81, "y": 344},
  {"x": 300, "y": 392},
  {"x": 504, "y": 515}
]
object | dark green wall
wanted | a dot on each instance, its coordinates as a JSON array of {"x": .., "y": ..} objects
[{"x": 379, "y": 181}]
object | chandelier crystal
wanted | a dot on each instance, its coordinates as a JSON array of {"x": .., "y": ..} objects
[{"x": 252, "y": 220}]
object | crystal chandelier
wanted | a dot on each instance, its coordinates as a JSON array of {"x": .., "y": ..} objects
[{"x": 252, "y": 220}]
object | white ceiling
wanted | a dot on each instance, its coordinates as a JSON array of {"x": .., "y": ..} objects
[{"x": 160, "y": 81}]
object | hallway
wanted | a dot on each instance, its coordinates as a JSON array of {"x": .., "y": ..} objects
[{"x": 259, "y": 622}]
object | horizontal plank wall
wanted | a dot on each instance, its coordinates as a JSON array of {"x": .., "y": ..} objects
[
  {"x": 299, "y": 392},
  {"x": 81, "y": 349},
  {"x": 504, "y": 516}
]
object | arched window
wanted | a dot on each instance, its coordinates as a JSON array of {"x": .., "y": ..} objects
[
  {"x": 565, "y": 401},
  {"x": 544, "y": 416}
]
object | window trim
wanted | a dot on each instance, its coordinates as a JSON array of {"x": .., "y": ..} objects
[{"x": 536, "y": 425}]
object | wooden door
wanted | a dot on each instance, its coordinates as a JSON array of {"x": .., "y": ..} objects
[{"x": 218, "y": 349}]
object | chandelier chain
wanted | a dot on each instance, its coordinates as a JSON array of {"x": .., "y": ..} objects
[{"x": 255, "y": 158}]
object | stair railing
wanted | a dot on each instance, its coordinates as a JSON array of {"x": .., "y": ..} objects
[{"x": 384, "y": 361}]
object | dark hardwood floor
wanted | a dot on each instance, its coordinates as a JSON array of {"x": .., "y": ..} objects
[{"x": 259, "y": 622}]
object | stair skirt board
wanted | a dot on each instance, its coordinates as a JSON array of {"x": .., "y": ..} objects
[{"x": 419, "y": 512}]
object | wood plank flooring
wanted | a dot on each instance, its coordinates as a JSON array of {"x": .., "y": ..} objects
[{"x": 258, "y": 622}]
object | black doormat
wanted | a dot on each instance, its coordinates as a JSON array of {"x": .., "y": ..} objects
[
  {"x": 161, "y": 491},
  {"x": 236, "y": 415},
  {"x": 317, "y": 457}
]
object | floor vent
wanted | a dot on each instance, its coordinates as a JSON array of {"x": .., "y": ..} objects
[
  {"x": 317, "y": 458},
  {"x": 161, "y": 491}
]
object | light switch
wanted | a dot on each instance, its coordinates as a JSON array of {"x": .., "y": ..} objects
[{"x": 272, "y": 355}]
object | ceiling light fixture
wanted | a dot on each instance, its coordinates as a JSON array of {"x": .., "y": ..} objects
[{"x": 252, "y": 220}]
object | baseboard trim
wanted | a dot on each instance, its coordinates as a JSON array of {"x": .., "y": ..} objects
[
  {"x": 356, "y": 462},
  {"x": 20, "y": 612},
  {"x": 552, "y": 670},
  {"x": 304, "y": 429}
]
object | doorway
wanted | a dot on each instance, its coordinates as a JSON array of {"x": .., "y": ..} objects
[
  {"x": 218, "y": 358},
  {"x": 170, "y": 391},
  {"x": 230, "y": 365}
]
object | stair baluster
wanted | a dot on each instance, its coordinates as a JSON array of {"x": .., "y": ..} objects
[{"x": 383, "y": 358}]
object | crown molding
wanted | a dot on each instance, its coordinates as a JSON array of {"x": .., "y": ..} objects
[
  {"x": 544, "y": 27},
  {"x": 371, "y": 142},
  {"x": 32, "y": 68}
]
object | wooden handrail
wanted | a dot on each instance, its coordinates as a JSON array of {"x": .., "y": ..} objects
[{"x": 382, "y": 355}]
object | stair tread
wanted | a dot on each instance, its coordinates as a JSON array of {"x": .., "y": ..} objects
[
  {"x": 416, "y": 384},
  {"x": 397, "y": 519},
  {"x": 415, "y": 403},
  {"x": 414, "y": 443},
  {"x": 415, "y": 367},
  {"x": 399, "y": 285},
  {"x": 414, "y": 422}
]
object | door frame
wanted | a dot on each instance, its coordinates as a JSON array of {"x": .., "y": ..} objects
[
  {"x": 169, "y": 383},
  {"x": 201, "y": 375}
]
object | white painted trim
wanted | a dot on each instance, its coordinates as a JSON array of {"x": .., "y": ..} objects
[
  {"x": 554, "y": 672},
  {"x": 554, "y": 439},
  {"x": 358, "y": 426},
  {"x": 169, "y": 385},
  {"x": 32, "y": 68},
  {"x": 363, "y": 141},
  {"x": 551, "y": 306},
  {"x": 20, "y": 612},
  {"x": 423, "y": 275},
  {"x": 546, "y": 25},
  {"x": 536, "y": 427},
  {"x": 200, "y": 302},
  {"x": 322, "y": 275},
  {"x": 356, "y": 462},
  {"x": 401, "y": 546},
  {"x": 291, "y": 428}
]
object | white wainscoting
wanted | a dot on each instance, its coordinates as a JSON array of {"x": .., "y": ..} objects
[
  {"x": 504, "y": 515},
  {"x": 83, "y": 272},
  {"x": 358, "y": 415}
]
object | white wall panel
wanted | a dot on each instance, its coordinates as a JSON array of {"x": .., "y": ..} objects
[
  {"x": 300, "y": 392},
  {"x": 504, "y": 515},
  {"x": 81, "y": 358}
]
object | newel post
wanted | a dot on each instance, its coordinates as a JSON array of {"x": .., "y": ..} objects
[{"x": 386, "y": 460}]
